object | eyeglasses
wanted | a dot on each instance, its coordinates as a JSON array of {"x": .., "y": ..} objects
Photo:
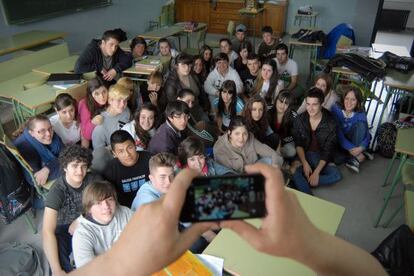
[
  {"x": 44, "y": 130},
  {"x": 181, "y": 116}
]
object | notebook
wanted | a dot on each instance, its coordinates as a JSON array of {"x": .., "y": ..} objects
[{"x": 64, "y": 78}]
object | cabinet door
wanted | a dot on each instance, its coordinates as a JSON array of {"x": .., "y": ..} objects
[
  {"x": 192, "y": 10},
  {"x": 275, "y": 16}
]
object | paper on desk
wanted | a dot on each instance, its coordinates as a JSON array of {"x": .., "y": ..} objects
[{"x": 215, "y": 264}]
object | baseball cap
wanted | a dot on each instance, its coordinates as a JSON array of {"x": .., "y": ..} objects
[{"x": 241, "y": 28}]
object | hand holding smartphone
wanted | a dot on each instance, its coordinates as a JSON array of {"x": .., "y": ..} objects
[{"x": 224, "y": 198}]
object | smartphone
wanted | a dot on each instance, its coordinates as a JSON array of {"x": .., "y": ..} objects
[{"x": 227, "y": 197}]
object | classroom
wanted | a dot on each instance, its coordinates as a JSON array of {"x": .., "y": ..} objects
[{"x": 106, "y": 104}]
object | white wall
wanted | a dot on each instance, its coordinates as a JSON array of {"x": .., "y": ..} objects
[{"x": 402, "y": 5}]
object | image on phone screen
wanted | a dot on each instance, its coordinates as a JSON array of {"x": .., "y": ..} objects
[{"x": 224, "y": 198}]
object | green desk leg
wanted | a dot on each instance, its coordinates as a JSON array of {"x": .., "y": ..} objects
[
  {"x": 389, "y": 168},
  {"x": 391, "y": 191},
  {"x": 291, "y": 50}
]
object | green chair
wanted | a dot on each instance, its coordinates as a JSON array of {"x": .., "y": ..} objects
[{"x": 200, "y": 41}]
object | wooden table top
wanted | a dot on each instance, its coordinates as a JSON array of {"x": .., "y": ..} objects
[
  {"x": 162, "y": 32},
  {"x": 65, "y": 65},
  {"x": 27, "y": 40}
]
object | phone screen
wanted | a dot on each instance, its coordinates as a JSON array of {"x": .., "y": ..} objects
[{"x": 224, "y": 198}]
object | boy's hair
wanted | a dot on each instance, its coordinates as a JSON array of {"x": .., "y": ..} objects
[
  {"x": 176, "y": 108},
  {"x": 316, "y": 93},
  {"x": 155, "y": 77},
  {"x": 118, "y": 91},
  {"x": 267, "y": 29},
  {"x": 226, "y": 40},
  {"x": 253, "y": 56},
  {"x": 185, "y": 92},
  {"x": 184, "y": 58},
  {"x": 282, "y": 46},
  {"x": 164, "y": 40},
  {"x": 64, "y": 100},
  {"x": 221, "y": 56},
  {"x": 162, "y": 159},
  {"x": 120, "y": 136},
  {"x": 111, "y": 34},
  {"x": 31, "y": 121},
  {"x": 136, "y": 41},
  {"x": 96, "y": 192},
  {"x": 74, "y": 153},
  {"x": 189, "y": 147},
  {"x": 126, "y": 82}
]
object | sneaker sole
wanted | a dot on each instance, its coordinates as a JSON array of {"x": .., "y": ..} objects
[{"x": 352, "y": 168}]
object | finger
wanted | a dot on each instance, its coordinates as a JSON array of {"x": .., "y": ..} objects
[
  {"x": 192, "y": 233},
  {"x": 174, "y": 198},
  {"x": 244, "y": 230}
]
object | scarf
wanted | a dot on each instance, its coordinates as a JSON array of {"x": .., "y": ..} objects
[{"x": 47, "y": 153}]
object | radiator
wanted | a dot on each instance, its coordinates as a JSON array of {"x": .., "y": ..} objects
[{"x": 394, "y": 20}]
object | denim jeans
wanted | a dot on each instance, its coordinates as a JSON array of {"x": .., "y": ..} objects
[
  {"x": 329, "y": 175},
  {"x": 357, "y": 133},
  {"x": 64, "y": 243}
]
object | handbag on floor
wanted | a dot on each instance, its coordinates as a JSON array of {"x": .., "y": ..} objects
[{"x": 386, "y": 139}]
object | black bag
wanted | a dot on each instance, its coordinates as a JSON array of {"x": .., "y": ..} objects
[
  {"x": 396, "y": 252},
  {"x": 15, "y": 193},
  {"x": 402, "y": 64},
  {"x": 386, "y": 138}
]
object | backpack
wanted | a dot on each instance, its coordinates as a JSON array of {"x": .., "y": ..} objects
[
  {"x": 15, "y": 193},
  {"x": 19, "y": 259},
  {"x": 386, "y": 138}
]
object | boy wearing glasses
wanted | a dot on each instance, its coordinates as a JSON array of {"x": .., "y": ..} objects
[
  {"x": 128, "y": 171},
  {"x": 170, "y": 134}
]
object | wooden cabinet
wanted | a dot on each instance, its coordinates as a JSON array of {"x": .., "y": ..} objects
[{"x": 218, "y": 15}]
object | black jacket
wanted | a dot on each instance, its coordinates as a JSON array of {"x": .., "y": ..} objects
[
  {"x": 325, "y": 134},
  {"x": 91, "y": 59}
]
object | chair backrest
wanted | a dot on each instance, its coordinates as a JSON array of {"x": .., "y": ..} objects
[
  {"x": 230, "y": 28},
  {"x": 201, "y": 36}
]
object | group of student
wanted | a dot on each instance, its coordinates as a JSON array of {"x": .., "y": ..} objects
[{"x": 121, "y": 146}]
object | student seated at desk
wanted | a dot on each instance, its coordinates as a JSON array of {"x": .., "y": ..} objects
[
  {"x": 286, "y": 67},
  {"x": 268, "y": 83},
  {"x": 191, "y": 154},
  {"x": 352, "y": 126},
  {"x": 225, "y": 48},
  {"x": 143, "y": 127},
  {"x": 183, "y": 77},
  {"x": 138, "y": 48},
  {"x": 238, "y": 148},
  {"x": 90, "y": 109},
  {"x": 64, "y": 122},
  {"x": 128, "y": 171},
  {"x": 324, "y": 83},
  {"x": 64, "y": 205},
  {"x": 267, "y": 48},
  {"x": 170, "y": 134},
  {"x": 162, "y": 166},
  {"x": 40, "y": 147},
  {"x": 314, "y": 133},
  {"x": 104, "y": 57},
  {"x": 101, "y": 223},
  {"x": 221, "y": 73},
  {"x": 227, "y": 105}
]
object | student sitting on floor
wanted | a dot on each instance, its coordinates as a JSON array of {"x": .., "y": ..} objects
[
  {"x": 240, "y": 37},
  {"x": 240, "y": 64},
  {"x": 267, "y": 49},
  {"x": 191, "y": 154},
  {"x": 238, "y": 148},
  {"x": 104, "y": 57},
  {"x": 221, "y": 73},
  {"x": 170, "y": 134},
  {"x": 254, "y": 113},
  {"x": 90, "y": 109},
  {"x": 135, "y": 99},
  {"x": 324, "y": 83},
  {"x": 183, "y": 77},
  {"x": 165, "y": 49},
  {"x": 225, "y": 48},
  {"x": 286, "y": 67},
  {"x": 143, "y": 127},
  {"x": 40, "y": 147},
  {"x": 249, "y": 77},
  {"x": 64, "y": 122},
  {"x": 128, "y": 171},
  {"x": 162, "y": 166},
  {"x": 227, "y": 106},
  {"x": 207, "y": 54},
  {"x": 101, "y": 223},
  {"x": 281, "y": 117},
  {"x": 199, "y": 69},
  {"x": 64, "y": 205},
  {"x": 268, "y": 83},
  {"x": 153, "y": 92},
  {"x": 352, "y": 126},
  {"x": 314, "y": 133}
]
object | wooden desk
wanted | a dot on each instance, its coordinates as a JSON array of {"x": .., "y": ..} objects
[
  {"x": 162, "y": 33},
  {"x": 293, "y": 42},
  {"x": 65, "y": 65},
  {"x": 27, "y": 40},
  {"x": 309, "y": 17},
  {"x": 253, "y": 13},
  {"x": 241, "y": 258},
  {"x": 141, "y": 74}
]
